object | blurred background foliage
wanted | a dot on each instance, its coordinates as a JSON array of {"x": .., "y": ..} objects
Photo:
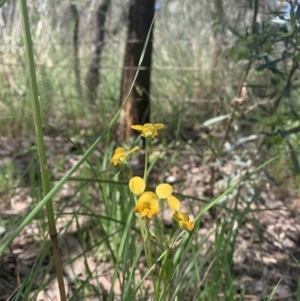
[
  {"x": 207, "y": 57},
  {"x": 197, "y": 61}
]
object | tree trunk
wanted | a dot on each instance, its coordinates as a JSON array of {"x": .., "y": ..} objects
[
  {"x": 93, "y": 76},
  {"x": 218, "y": 15},
  {"x": 137, "y": 107},
  {"x": 75, "y": 16}
]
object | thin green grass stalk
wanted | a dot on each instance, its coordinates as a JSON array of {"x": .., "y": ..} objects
[
  {"x": 261, "y": 252},
  {"x": 180, "y": 287},
  {"x": 128, "y": 288},
  {"x": 126, "y": 262},
  {"x": 176, "y": 263},
  {"x": 223, "y": 265},
  {"x": 211, "y": 260},
  {"x": 134, "y": 291},
  {"x": 273, "y": 291},
  {"x": 124, "y": 241},
  {"x": 147, "y": 153},
  {"x": 32, "y": 279},
  {"x": 226, "y": 250},
  {"x": 153, "y": 162},
  {"x": 41, "y": 145},
  {"x": 189, "y": 278},
  {"x": 147, "y": 237}
]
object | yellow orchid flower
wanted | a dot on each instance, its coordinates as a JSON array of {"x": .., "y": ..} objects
[
  {"x": 183, "y": 221},
  {"x": 121, "y": 154},
  {"x": 147, "y": 203},
  {"x": 148, "y": 129}
]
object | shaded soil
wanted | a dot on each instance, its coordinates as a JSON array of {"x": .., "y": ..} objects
[{"x": 267, "y": 230}]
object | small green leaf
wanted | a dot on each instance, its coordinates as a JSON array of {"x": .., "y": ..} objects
[
  {"x": 235, "y": 32},
  {"x": 286, "y": 34},
  {"x": 274, "y": 140},
  {"x": 293, "y": 17},
  {"x": 273, "y": 121},
  {"x": 240, "y": 52},
  {"x": 152, "y": 233},
  {"x": 288, "y": 132},
  {"x": 297, "y": 57},
  {"x": 270, "y": 178},
  {"x": 296, "y": 167},
  {"x": 167, "y": 268},
  {"x": 268, "y": 65}
]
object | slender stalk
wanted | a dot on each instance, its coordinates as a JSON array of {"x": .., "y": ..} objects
[
  {"x": 242, "y": 82},
  {"x": 147, "y": 151},
  {"x": 40, "y": 143},
  {"x": 147, "y": 243},
  {"x": 288, "y": 83},
  {"x": 161, "y": 276},
  {"x": 149, "y": 260},
  {"x": 235, "y": 106},
  {"x": 146, "y": 237}
]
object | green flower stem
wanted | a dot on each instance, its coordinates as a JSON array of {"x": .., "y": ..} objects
[
  {"x": 143, "y": 232},
  {"x": 146, "y": 237},
  {"x": 40, "y": 144},
  {"x": 147, "y": 151},
  {"x": 164, "y": 274},
  {"x": 147, "y": 233},
  {"x": 149, "y": 260}
]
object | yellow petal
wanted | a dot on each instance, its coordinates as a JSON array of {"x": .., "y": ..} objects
[
  {"x": 159, "y": 126},
  {"x": 178, "y": 216},
  {"x": 163, "y": 191},
  {"x": 114, "y": 161},
  {"x": 137, "y": 127},
  {"x": 133, "y": 150},
  {"x": 173, "y": 203},
  {"x": 120, "y": 151},
  {"x": 148, "y": 198},
  {"x": 137, "y": 185}
]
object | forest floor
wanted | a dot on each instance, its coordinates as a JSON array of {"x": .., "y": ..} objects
[{"x": 267, "y": 228}]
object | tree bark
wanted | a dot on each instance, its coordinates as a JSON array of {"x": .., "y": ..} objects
[
  {"x": 137, "y": 107},
  {"x": 93, "y": 76},
  {"x": 76, "y": 19}
]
